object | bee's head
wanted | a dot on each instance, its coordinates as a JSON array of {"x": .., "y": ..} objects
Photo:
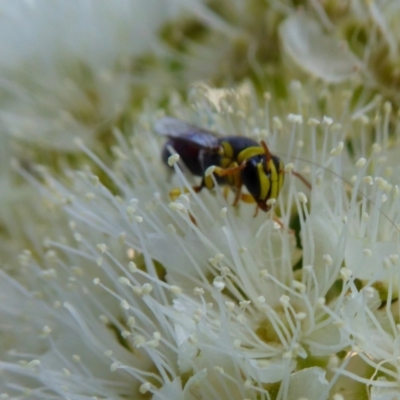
[{"x": 263, "y": 177}]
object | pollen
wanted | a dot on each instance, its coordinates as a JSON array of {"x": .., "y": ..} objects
[
  {"x": 173, "y": 159},
  {"x": 376, "y": 148},
  {"x": 327, "y": 121},
  {"x": 223, "y": 212},
  {"x": 145, "y": 387},
  {"x": 198, "y": 291},
  {"x": 302, "y": 198},
  {"x": 210, "y": 170},
  {"x": 313, "y": 122},
  {"x": 289, "y": 167},
  {"x": 295, "y": 119},
  {"x": 176, "y": 206},
  {"x": 368, "y": 180},
  {"x": 175, "y": 289},
  {"x": 338, "y": 149},
  {"x": 125, "y": 305},
  {"x": 328, "y": 259},
  {"x": 124, "y": 281},
  {"x": 219, "y": 284},
  {"x": 361, "y": 162}
]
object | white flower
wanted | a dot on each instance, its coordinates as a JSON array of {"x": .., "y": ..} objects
[
  {"x": 66, "y": 67},
  {"x": 192, "y": 298},
  {"x": 304, "y": 40},
  {"x": 64, "y": 72},
  {"x": 125, "y": 291},
  {"x": 336, "y": 43}
]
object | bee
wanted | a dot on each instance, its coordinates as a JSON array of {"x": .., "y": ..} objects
[{"x": 235, "y": 161}]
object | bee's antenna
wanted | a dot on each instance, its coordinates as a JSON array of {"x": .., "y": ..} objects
[
  {"x": 301, "y": 177},
  {"x": 266, "y": 151},
  {"x": 362, "y": 194}
]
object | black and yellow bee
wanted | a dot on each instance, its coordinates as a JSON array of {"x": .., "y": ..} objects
[{"x": 236, "y": 161}]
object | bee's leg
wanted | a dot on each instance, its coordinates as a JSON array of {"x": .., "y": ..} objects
[
  {"x": 225, "y": 192},
  {"x": 233, "y": 178},
  {"x": 238, "y": 195},
  {"x": 176, "y": 192},
  {"x": 249, "y": 199},
  {"x": 198, "y": 188},
  {"x": 228, "y": 171},
  {"x": 238, "y": 188}
]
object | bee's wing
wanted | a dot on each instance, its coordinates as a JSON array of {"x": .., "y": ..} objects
[{"x": 182, "y": 131}]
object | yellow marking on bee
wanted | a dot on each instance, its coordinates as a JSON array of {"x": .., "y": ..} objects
[
  {"x": 225, "y": 192},
  {"x": 208, "y": 181},
  {"x": 234, "y": 179},
  {"x": 247, "y": 198},
  {"x": 176, "y": 192},
  {"x": 274, "y": 180},
  {"x": 225, "y": 162},
  {"x": 249, "y": 152},
  {"x": 264, "y": 181},
  {"x": 228, "y": 150},
  {"x": 281, "y": 175},
  {"x": 231, "y": 179}
]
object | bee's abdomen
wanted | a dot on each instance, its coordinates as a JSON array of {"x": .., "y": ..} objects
[{"x": 189, "y": 155}]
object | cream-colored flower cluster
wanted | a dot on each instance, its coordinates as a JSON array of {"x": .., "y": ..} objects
[{"x": 111, "y": 288}]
